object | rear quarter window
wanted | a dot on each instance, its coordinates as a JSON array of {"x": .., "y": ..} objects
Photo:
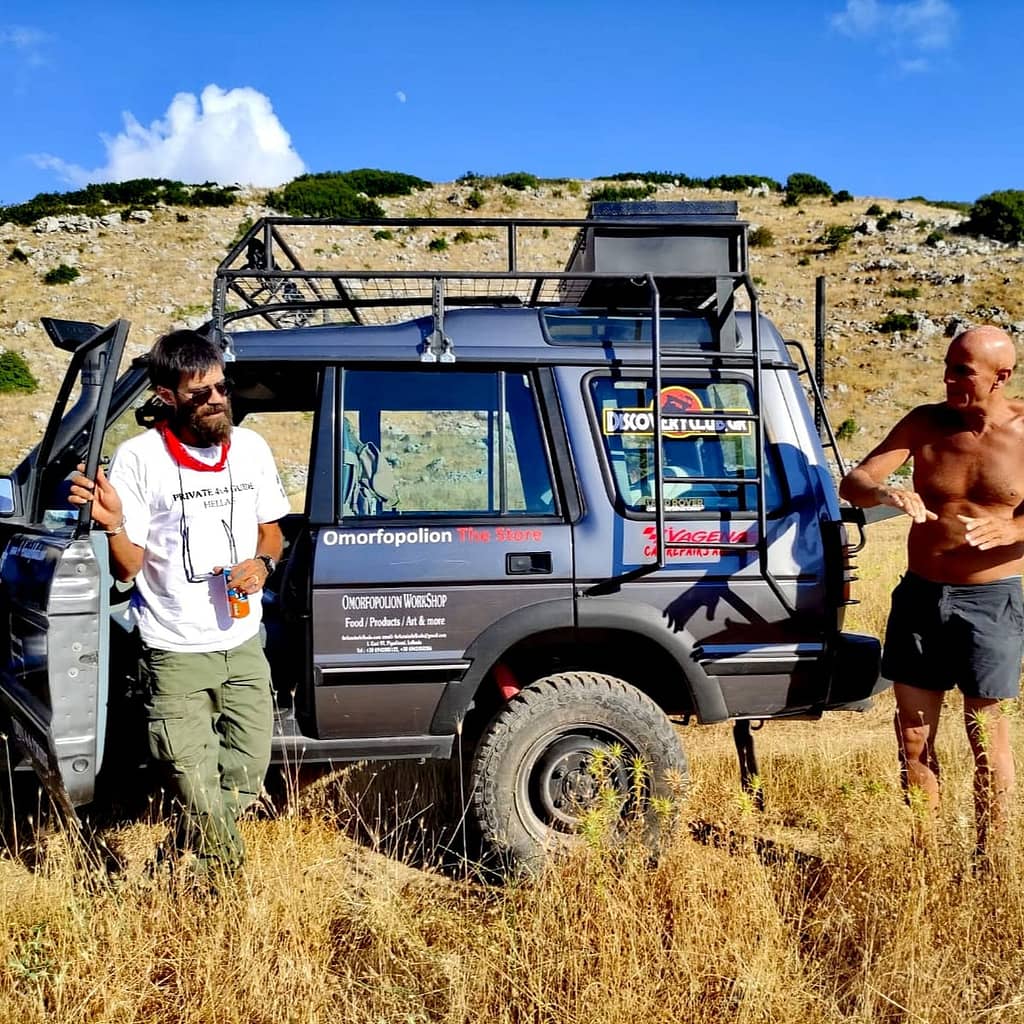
[{"x": 704, "y": 436}]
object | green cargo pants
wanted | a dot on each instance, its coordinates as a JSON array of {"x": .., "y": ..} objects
[{"x": 210, "y": 721}]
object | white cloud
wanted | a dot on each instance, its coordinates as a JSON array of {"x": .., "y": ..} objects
[
  {"x": 225, "y": 136},
  {"x": 917, "y": 24},
  {"x": 400, "y": 96},
  {"x": 27, "y": 43}
]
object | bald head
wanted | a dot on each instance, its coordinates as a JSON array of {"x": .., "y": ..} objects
[
  {"x": 979, "y": 363},
  {"x": 988, "y": 345}
]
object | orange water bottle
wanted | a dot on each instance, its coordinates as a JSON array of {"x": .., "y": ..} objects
[{"x": 238, "y": 600}]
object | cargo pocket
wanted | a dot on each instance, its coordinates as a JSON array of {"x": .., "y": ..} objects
[{"x": 165, "y": 717}]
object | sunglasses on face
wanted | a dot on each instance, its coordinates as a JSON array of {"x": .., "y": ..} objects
[{"x": 200, "y": 396}]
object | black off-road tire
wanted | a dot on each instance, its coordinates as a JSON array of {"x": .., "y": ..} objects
[{"x": 532, "y": 772}]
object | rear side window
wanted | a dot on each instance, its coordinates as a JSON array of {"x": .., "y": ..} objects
[
  {"x": 704, "y": 436},
  {"x": 429, "y": 442}
]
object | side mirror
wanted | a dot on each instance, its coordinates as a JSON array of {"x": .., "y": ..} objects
[{"x": 6, "y": 496}]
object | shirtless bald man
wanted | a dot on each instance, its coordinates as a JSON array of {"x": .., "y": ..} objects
[{"x": 957, "y": 615}]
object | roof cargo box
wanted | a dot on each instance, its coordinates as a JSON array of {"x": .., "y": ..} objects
[{"x": 665, "y": 240}]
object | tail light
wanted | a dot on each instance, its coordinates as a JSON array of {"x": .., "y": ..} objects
[{"x": 840, "y": 566}]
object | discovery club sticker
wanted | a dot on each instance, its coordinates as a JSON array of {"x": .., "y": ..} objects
[{"x": 682, "y": 415}]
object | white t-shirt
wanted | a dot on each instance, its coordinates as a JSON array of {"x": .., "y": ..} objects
[{"x": 190, "y": 522}]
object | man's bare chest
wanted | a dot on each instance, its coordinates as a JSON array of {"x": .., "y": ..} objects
[{"x": 986, "y": 471}]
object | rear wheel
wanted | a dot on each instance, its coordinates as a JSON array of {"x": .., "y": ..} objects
[{"x": 566, "y": 746}]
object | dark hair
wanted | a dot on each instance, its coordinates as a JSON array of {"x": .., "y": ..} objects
[{"x": 181, "y": 352}]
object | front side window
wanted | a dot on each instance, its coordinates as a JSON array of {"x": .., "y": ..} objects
[
  {"x": 704, "y": 434},
  {"x": 431, "y": 442}
]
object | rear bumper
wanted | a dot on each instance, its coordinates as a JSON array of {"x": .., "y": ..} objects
[{"x": 856, "y": 673}]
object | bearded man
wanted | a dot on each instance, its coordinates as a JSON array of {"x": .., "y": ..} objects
[{"x": 191, "y": 509}]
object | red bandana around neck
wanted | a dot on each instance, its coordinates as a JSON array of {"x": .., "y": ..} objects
[{"x": 177, "y": 452}]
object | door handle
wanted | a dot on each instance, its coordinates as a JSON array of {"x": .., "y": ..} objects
[{"x": 528, "y": 563}]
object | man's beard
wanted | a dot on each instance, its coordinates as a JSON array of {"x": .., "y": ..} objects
[{"x": 208, "y": 428}]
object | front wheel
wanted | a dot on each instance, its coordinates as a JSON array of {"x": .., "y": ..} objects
[{"x": 565, "y": 747}]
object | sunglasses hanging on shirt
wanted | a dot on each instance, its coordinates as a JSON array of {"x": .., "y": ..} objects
[{"x": 183, "y": 458}]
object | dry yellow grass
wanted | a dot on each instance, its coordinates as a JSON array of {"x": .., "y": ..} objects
[{"x": 816, "y": 909}]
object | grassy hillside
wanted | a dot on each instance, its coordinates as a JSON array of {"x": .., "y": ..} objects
[{"x": 159, "y": 275}]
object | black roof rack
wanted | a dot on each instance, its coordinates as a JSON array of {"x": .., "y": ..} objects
[{"x": 292, "y": 272}]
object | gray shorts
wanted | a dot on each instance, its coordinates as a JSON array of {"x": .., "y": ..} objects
[{"x": 942, "y": 635}]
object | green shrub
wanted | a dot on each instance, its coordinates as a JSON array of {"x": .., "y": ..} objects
[
  {"x": 650, "y": 177},
  {"x": 846, "y": 429},
  {"x": 874, "y": 210},
  {"x": 898, "y": 322},
  {"x": 761, "y": 237},
  {"x": 211, "y": 197},
  {"x": 834, "y": 236},
  {"x": 376, "y": 183},
  {"x": 384, "y": 235},
  {"x": 240, "y": 232},
  {"x": 438, "y": 244},
  {"x": 462, "y": 237},
  {"x": 724, "y": 182},
  {"x": 842, "y": 196},
  {"x": 737, "y": 182},
  {"x": 138, "y": 193},
  {"x": 801, "y": 184},
  {"x": 518, "y": 180},
  {"x": 573, "y": 187},
  {"x": 944, "y": 204},
  {"x": 17, "y": 256},
  {"x": 905, "y": 293},
  {"x": 998, "y": 215},
  {"x": 62, "y": 274},
  {"x": 621, "y": 193},
  {"x": 325, "y": 195},
  {"x": 934, "y": 237},
  {"x": 15, "y": 374},
  {"x": 475, "y": 199},
  {"x": 45, "y": 204}
]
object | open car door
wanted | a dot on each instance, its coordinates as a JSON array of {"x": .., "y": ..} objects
[{"x": 55, "y": 580}]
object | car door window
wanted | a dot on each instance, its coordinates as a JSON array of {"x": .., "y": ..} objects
[{"x": 428, "y": 442}]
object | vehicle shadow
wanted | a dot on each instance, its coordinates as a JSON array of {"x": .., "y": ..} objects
[{"x": 413, "y": 813}]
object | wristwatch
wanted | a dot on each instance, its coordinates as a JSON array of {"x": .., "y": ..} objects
[{"x": 270, "y": 564}]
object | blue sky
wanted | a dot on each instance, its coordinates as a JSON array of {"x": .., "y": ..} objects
[{"x": 881, "y": 98}]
